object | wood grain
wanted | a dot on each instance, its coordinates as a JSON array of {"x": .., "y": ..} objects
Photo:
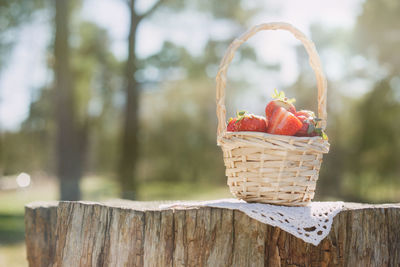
[
  {"x": 40, "y": 225},
  {"x": 125, "y": 233}
]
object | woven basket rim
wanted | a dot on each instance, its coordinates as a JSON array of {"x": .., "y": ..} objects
[{"x": 272, "y": 136}]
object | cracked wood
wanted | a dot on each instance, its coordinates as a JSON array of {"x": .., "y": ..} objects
[{"x": 126, "y": 233}]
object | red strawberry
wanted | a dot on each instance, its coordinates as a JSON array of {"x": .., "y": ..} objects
[
  {"x": 305, "y": 113},
  {"x": 309, "y": 121},
  {"x": 247, "y": 122},
  {"x": 232, "y": 125},
  {"x": 307, "y": 128},
  {"x": 307, "y": 117},
  {"x": 279, "y": 101},
  {"x": 283, "y": 122}
]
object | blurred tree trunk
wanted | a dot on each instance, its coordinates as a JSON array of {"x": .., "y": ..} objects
[
  {"x": 130, "y": 144},
  {"x": 1, "y": 154},
  {"x": 129, "y": 149},
  {"x": 71, "y": 141}
]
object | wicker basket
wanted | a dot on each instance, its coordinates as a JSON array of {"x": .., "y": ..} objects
[{"x": 267, "y": 168}]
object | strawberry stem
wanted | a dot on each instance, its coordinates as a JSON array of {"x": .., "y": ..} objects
[
  {"x": 281, "y": 96},
  {"x": 241, "y": 113}
]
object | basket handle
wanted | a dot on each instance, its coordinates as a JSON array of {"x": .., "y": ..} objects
[{"x": 314, "y": 60}]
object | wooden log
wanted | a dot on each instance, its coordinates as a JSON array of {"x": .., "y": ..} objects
[
  {"x": 40, "y": 225},
  {"x": 139, "y": 234}
]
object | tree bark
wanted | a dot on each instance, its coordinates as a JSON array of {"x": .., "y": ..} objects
[
  {"x": 70, "y": 140},
  {"x": 41, "y": 220},
  {"x": 130, "y": 233}
]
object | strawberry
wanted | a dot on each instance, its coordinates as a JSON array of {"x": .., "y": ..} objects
[
  {"x": 309, "y": 127},
  {"x": 279, "y": 101},
  {"x": 232, "y": 125},
  {"x": 283, "y": 122},
  {"x": 305, "y": 113},
  {"x": 247, "y": 122},
  {"x": 307, "y": 118}
]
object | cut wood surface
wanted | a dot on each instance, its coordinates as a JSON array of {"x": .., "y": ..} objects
[{"x": 128, "y": 233}]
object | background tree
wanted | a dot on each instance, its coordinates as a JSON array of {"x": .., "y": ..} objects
[
  {"x": 373, "y": 157},
  {"x": 96, "y": 76},
  {"x": 71, "y": 140},
  {"x": 129, "y": 147},
  {"x": 127, "y": 168}
]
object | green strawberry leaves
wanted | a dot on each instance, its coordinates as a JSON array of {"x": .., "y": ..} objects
[
  {"x": 281, "y": 96},
  {"x": 278, "y": 95},
  {"x": 240, "y": 115},
  {"x": 312, "y": 128},
  {"x": 319, "y": 131}
]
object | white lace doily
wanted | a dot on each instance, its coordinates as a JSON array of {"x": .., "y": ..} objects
[{"x": 311, "y": 223}]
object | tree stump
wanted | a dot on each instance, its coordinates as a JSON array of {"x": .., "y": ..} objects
[{"x": 127, "y": 233}]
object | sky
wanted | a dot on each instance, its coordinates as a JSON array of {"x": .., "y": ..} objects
[{"x": 26, "y": 70}]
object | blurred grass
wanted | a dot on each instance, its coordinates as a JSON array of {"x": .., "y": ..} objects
[
  {"x": 11, "y": 228},
  {"x": 12, "y": 234},
  {"x": 12, "y": 209},
  {"x": 13, "y": 255},
  {"x": 182, "y": 191}
]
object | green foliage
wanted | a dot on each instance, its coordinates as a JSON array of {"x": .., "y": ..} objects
[
  {"x": 371, "y": 158},
  {"x": 96, "y": 74},
  {"x": 13, "y": 14},
  {"x": 30, "y": 149},
  {"x": 24, "y": 152},
  {"x": 179, "y": 143},
  {"x": 378, "y": 32},
  {"x": 229, "y": 10},
  {"x": 95, "y": 70},
  {"x": 377, "y": 143}
]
